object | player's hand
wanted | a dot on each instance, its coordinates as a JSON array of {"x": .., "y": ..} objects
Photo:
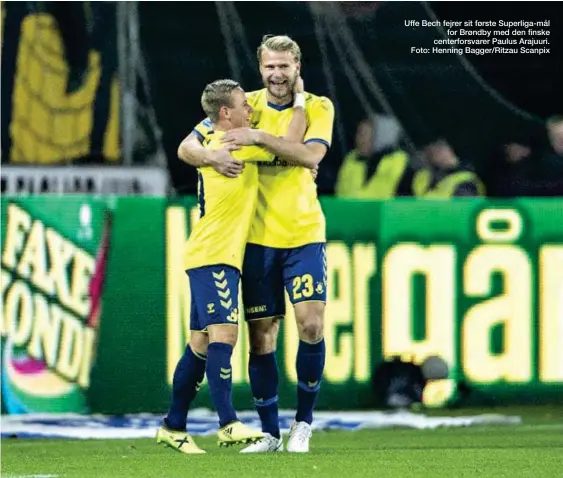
[
  {"x": 299, "y": 86},
  {"x": 222, "y": 162},
  {"x": 240, "y": 137},
  {"x": 315, "y": 172}
]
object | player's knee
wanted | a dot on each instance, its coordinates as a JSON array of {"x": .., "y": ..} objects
[
  {"x": 262, "y": 344},
  {"x": 199, "y": 342},
  {"x": 310, "y": 330},
  {"x": 226, "y": 334},
  {"x": 263, "y": 336},
  {"x": 309, "y": 316}
]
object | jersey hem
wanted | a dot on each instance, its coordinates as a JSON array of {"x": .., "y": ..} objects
[
  {"x": 216, "y": 264},
  {"x": 287, "y": 247}
]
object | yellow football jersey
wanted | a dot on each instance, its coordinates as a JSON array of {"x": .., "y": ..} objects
[
  {"x": 288, "y": 213},
  {"x": 227, "y": 207}
]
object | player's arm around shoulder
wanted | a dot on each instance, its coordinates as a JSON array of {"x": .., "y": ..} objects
[
  {"x": 192, "y": 152},
  {"x": 298, "y": 124},
  {"x": 318, "y": 114},
  {"x": 307, "y": 153},
  {"x": 253, "y": 154}
]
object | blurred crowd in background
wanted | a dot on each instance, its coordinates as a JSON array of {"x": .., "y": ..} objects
[
  {"x": 433, "y": 127},
  {"x": 381, "y": 167}
]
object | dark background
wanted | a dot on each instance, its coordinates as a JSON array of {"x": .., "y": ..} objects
[
  {"x": 501, "y": 97},
  {"x": 431, "y": 95}
]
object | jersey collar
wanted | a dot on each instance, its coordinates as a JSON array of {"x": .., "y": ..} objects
[{"x": 279, "y": 107}]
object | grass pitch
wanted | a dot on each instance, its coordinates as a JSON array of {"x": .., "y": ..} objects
[{"x": 533, "y": 449}]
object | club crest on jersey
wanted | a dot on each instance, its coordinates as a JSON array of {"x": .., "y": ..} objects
[
  {"x": 233, "y": 316},
  {"x": 320, "y": 288}
]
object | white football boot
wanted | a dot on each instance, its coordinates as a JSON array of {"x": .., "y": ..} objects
[
  {"x": 266, "y": 445},
  {"x": 299, "y": 436}
]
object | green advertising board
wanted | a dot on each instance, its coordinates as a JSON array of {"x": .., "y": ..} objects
[
  {"x": 53, "y": 267},
  {"x": 477, "y": 282}
]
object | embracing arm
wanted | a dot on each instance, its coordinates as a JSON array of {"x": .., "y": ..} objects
[
  {"x": 193, "y": 153},
  {"x": 298, "y": 125},
  {"x": 307, "y": 155}
]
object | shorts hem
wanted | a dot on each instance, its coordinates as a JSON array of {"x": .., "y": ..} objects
[
  {"x": 280, "y": 316},
  {"x": 203, "y": 331},
  {"x": 308, "y": 300}
]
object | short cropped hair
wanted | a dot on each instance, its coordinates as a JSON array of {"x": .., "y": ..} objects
[
  {"x": 216, "y": 95},
  {"x": 279, "y": 43}
]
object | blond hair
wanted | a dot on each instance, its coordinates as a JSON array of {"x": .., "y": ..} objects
[
  {"x": 279, "y": 43},
  {"x": 216, "y": 95}
]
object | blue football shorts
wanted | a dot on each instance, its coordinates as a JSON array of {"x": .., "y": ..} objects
[
  {"x": 267, "y": 271},
  {"x": 214, "y": 290}
]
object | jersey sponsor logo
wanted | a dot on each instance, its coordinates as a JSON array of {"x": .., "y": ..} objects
[
  {"x": 276, "y": 162},
  {"x": 211, "y": 308}
]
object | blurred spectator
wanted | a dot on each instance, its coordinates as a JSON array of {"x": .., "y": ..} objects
[
  {"x": 376, "y": 168},
  {"x": 525, "y": 169},
  {"x": 444, "y": 176},
  {"x": 555, "y": 135},
  {"x": 511, "y": 177},
  {"x": 551, "y": 162}
]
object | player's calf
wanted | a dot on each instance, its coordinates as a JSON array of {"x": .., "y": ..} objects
[
  {"x": 222, "y": 339},
  {"x": 187, "y": 380},
  {"x": 310, "y": 358},
  {"x": 264, "y": 374}
]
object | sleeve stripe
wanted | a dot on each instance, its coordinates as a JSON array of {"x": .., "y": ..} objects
[
  {"x": 199, "y": 135},
  {"x": 318, "y": 140}
]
